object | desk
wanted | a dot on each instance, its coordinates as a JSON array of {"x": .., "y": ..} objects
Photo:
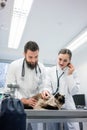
[{"x": 56, "y": 115}]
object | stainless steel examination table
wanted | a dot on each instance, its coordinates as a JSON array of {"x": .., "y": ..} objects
[
  {"x": 45, "y": 116},
  {"x": 56, "y": 115}
]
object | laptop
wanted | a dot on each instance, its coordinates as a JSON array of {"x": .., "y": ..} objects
[{"x": 79, "y": 100}]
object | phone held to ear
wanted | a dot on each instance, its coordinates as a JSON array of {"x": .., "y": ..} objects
[
  {"x": 70, "y": 68},
  {"x": 68, "y": 64}
]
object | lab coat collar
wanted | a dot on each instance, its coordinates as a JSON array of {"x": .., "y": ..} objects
[{"x": 60, "y": 70}]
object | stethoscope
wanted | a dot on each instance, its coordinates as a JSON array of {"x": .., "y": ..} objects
[
  {"x": 37, "y": 68},
  {"x": 58, "y": 78}
]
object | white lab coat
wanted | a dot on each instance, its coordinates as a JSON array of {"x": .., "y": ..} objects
[
  {"x": 31, "y": 83},
  {"x": 68, "y": 86}
]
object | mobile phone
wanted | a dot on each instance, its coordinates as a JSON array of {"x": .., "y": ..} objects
[{"x": 68, "y": 64}]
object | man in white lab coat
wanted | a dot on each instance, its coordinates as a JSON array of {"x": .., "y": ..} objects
[
  {"x": 64, "y": 79},
  {"x": 29, "y": 74}
]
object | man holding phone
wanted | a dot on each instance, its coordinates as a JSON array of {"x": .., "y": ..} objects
[{"x": 64, "y": 79}]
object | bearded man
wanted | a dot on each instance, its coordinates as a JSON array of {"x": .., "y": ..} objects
[{"x": 29, "y": 75}]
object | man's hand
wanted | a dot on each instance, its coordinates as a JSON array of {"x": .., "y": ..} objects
[{"x": 30, "y": 101}]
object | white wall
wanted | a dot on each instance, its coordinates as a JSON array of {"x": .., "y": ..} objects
[
  {"x": 80, "y": 61},
  {"x": 83, "y": 79}
]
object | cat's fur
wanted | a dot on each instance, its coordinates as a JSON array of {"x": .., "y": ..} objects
[{"x": 51, "y": 103}]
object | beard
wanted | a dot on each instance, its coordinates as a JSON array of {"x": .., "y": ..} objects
[{"x": 31, "y": 65}]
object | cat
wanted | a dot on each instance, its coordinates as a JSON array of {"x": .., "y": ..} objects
[{"x": 51, "y": 103}]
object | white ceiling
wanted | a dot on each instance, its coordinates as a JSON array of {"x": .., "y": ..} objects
[{"x": 51, "y": 23}]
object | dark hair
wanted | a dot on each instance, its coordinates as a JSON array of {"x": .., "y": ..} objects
[
  {"x": 31, "y": 45},
  {"x": 65, "y": 51}
]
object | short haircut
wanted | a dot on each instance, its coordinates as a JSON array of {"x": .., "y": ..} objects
[
  {"x": 65, "y": 51},
  {"x": 31, "y": 45}
]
